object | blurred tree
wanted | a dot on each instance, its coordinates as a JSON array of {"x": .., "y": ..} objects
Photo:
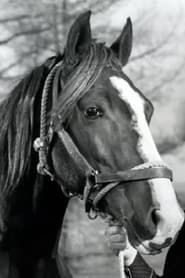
[
  {"x": 37, "y": 29},
  {"x": 156, "y": 61},
  {"x": 34, "y": 30}
]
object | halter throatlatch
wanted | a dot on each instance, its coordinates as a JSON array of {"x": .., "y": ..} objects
[{"x": 97, "y": 184}]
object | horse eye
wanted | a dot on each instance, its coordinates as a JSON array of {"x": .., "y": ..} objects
[{"x": 93, "y": 112}]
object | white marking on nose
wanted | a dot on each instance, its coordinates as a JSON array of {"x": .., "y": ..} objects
[{"x": 145, "y": 145}]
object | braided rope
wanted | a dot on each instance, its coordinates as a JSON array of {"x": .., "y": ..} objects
[{"x": 41, "y": 143}]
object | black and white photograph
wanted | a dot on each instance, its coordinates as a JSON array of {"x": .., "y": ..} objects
[{"x": 92, "y": 138}]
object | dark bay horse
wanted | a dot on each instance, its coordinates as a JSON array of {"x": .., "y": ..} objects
[{"x": 89, "y": 124}]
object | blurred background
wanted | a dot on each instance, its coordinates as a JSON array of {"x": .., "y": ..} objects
[{"x": 31, "y": 31}]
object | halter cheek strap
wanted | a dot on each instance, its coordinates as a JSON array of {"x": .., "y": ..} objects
[{"x": 74, "y": 152}]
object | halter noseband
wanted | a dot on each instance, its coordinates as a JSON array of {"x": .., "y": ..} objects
[{"x": 97, "y": 184}]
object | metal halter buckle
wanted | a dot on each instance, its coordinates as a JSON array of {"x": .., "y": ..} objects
[
  {"x": 38, "y": 144},
  {"x": 90, "y": 185}
]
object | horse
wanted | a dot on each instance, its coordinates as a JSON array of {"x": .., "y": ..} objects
[{"x": 77, "y": 126}]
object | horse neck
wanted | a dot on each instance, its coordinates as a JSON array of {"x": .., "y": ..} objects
[{"x": 48, "y": 194}]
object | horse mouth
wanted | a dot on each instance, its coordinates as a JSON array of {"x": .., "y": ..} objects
[
  {"x": 137, "y": 242},
  {"x": 156, "y": 246}
]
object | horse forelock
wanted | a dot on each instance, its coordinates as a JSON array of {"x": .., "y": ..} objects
[{"x": 82, "y": 78}]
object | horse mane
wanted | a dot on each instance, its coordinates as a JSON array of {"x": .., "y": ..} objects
[{"x": 19, "y": 125}]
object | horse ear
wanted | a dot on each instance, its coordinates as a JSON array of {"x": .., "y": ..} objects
[
  {"x": 79, "y": 37},
  {"x": 123, "y": 45}
]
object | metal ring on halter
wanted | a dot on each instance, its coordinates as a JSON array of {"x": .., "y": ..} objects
[{"x": 92, "y": 214}]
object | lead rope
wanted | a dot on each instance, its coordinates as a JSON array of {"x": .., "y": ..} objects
[{"x": 121, "y": 264}]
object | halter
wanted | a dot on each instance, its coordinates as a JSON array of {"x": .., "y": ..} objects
[{"x": 97, "y": 184}]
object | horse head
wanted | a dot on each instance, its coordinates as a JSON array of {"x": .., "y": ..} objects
[{"x": 101, "y": 140}]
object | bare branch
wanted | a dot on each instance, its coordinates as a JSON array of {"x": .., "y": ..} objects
[
  {"x": 156, "y": 47},
  {"x": 10, "y": 66},
  {"x": 100, "y": 8},
  {"x": 96, "y": 6},
  {"x": 167, "y": 80},
  {"x": 24, "y": 55},
  {"x": 19, "y": 17},
  {"x": 10, "y": 78},
  {"x": 17, "y": 62},
  {"x": 23, "y": 33}
]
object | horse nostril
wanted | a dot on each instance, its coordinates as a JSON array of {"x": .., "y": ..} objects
[
  {"x": 155, "y": 215},
  {"x": 153, "y": 220}
]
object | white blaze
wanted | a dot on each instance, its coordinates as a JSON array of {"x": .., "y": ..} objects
[
  {"x": 145, "y": 145},
  {"x": 162, "y": 190}
]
